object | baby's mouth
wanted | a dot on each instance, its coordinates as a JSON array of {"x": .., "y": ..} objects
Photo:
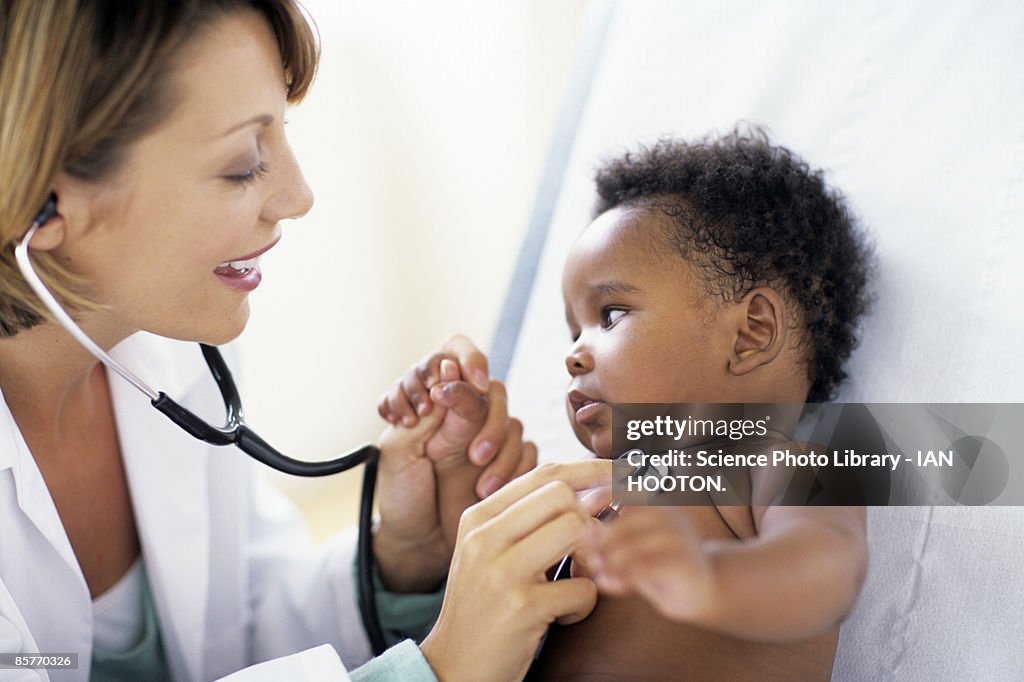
[{"x": 585, "y": 408}]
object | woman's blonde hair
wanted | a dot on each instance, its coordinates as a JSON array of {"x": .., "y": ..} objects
[{"x": 80, "y": 81}]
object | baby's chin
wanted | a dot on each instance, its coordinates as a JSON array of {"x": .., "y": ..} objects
[{"x": 598, "y": 442}]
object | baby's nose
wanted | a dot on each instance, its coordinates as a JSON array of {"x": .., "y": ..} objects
[{"x": 579, "y": 361}]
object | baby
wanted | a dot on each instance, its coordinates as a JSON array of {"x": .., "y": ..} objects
[{"x": 720, "y": 271}]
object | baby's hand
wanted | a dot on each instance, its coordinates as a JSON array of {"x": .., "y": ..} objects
[
  {"x": 465, "y": 410},
  {"x": 408, "y": 399},
  {"x": 475, "y": 436},
  {"x": 469, "y": 462},
  {"x": 656, "y": 553},
  {"x": 437, "y": 381}
]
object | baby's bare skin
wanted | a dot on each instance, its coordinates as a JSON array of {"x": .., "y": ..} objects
[{"x": 626, "y": 639}]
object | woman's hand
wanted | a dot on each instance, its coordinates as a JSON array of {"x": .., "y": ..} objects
[
  {"x": 426, "y": 478},
  {"x": 499, "y": 602},
  {"x": 408, "y": 544}
]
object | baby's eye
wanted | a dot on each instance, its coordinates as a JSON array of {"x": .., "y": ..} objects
[{"x": 609, "y": 316}]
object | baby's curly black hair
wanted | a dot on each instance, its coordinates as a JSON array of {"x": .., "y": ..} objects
[{"x": 749, "y": 213}]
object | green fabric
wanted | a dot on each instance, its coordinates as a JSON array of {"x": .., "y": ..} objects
[
  {"x": 402, "y": 615},
  {"x": 144, "y": 661},
  {"x": 404, "y": 662}
]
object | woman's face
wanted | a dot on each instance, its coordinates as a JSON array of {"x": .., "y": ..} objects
[{"x": 206, "y": 188}]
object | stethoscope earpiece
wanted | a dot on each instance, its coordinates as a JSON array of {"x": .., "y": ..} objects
[{"x": 48, "y": 210}]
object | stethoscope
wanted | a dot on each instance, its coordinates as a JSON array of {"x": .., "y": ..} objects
[{"x": 235, "y": 431}]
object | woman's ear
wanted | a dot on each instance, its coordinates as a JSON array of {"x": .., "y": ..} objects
[
  {"x": 761, "y": 330},
  {"x": 76, "y": 204}
]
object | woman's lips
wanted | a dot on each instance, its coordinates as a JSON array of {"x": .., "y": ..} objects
[
  {"x": 243, "y": 273},
  {"x": 244, "y": 279},
  {"x": 585, "y": 408}
]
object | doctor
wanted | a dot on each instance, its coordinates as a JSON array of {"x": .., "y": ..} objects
[{"x": 149, "y": 554}]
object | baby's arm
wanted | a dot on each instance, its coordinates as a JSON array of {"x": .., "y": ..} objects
[{"x": 797, "y": 578}]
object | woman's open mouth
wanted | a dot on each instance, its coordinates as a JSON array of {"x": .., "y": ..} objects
[
  {"x": 240, "y": 274},
  {"x": 243, "y": 273}
]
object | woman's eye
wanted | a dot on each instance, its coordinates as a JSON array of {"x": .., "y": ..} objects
[
  {"x": 251, "y": 175},
  {"x": 609, "y": 316}
]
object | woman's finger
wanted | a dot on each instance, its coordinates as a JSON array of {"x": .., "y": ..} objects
[
  {"x": 449, "y": 370},
  {"x": 540, "y": 528},
  {"x": 501, "y": 469},
  {"x": 597, "y": 499},
  {"x": 586, "y": 560},
  {"x": 567, "y": 601},
  {"x": 578, "y": 475},
  {"x": 523, "y": 517},
  {"x": 472, "y": 363},
  {"x": 527, "y": 460},
  {"x": 428, "y": 370},
  {"x": 492, "y": 434},
  {"x": 548, "y": 543}
]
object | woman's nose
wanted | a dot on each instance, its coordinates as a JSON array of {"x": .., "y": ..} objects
[
  {"x": 293, "y": 197},
  {"x": 579, "y": 360}
]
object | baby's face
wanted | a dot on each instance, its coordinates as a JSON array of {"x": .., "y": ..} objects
[{"x": 643, "y": 329}]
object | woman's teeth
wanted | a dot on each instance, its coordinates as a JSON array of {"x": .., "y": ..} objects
[{"x": 240, "y": 265}]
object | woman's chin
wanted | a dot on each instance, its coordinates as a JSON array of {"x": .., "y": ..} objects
[
  {"x": 213, "y": 333},
  {"x": 221, "y": 336},
  {"x": 228, "y": 328}
]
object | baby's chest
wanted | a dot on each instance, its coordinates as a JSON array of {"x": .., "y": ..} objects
[{"x": 626, "y": 639}]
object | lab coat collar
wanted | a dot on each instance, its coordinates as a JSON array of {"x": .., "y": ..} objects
[
  {"x": 10, "y": 435},
  {"x": 167, "y": 474}
]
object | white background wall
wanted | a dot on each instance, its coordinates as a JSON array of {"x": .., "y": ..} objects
[{"x": 423, "y": 139}]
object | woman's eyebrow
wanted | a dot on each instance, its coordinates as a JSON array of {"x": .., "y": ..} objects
[{"x": 261, "y": 119}]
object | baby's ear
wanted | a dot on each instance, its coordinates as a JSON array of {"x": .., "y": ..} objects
[{"x": 760, "y": 330}]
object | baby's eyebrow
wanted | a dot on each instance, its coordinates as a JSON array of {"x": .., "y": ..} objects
[{"x": 615, "y": 286}]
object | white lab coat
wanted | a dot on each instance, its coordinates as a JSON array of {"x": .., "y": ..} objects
[{"x": 234, "y": 578}]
